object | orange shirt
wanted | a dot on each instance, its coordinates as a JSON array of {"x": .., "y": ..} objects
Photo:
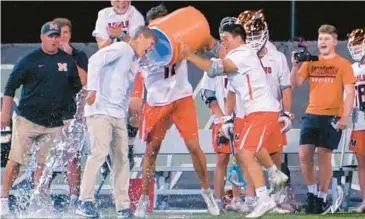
[{"x": 327, "y": 78}]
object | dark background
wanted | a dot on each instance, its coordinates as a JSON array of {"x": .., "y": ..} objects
[{"x": 21, "y": 21}]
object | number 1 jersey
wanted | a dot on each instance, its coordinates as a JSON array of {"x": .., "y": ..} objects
[{"x": 165, "y": 85}]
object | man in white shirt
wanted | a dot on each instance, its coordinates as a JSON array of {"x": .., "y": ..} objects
[
  {"x": 112, "y": 71},
  {"x": 114, "y": 24},
  {"x": 262, "y": 110}
]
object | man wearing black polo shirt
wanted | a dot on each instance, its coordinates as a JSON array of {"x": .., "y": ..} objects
[
  {"x": 48, "y": 76},
  {"x": 75, "y": 110}
]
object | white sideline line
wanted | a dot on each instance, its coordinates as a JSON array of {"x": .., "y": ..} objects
[{"x": 202, "y": 211}]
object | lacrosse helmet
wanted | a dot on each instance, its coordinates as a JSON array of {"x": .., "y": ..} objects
[
  {"x": 356, "y": 44},
  {"x": 254, "y": 23},
  {"x": 226, "y": 21}
]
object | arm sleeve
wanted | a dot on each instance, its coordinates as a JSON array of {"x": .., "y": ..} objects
[
  {"x": 75, "y": 79},
  {"x": 348, "y": 76},
  {"x": 239, "y": 59},
  {"x": 284, "y": 72},
  {"x": 304, "y": 70},
  {"x": 101, "y": 26},
  {"x": 101, "y": 58},
  {"x": 16, "y": 78},
  {"x": 82, "y": 60}
]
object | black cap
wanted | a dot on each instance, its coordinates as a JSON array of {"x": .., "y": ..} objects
[{"x": 50, "y": 28}]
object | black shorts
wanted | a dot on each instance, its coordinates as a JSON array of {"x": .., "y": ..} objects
[{"x": 317, "y": 130}]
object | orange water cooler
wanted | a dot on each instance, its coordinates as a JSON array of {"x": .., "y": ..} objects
[{"x": 187, "y": 25}]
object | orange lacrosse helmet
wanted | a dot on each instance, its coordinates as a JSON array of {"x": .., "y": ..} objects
[
  {"x": 356, "y": 44},
  {"x": 254, "y": 23}
]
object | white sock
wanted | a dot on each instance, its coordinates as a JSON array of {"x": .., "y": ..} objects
[
  {"x": 322, "y": 195},
  {"x": 262, "y": 193},
  {"x": 206, "y": 191},
  {"x": 272, "y": 170},
  {"x": 313, "y": 189},
  {"x": 249, "y": 199}
]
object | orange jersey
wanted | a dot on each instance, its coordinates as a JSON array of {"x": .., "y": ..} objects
[
  {"x": 327, "y": 78},
  {"x": 138, "y": 89}
]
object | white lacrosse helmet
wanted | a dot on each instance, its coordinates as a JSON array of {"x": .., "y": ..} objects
[
  {"x": 226, "y": 21},
  {"x": 356, "y": 44},
  {"x": 254, "y": 23}
]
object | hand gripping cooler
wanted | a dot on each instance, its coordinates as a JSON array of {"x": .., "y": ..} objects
[{"x": 187, "y": 25}]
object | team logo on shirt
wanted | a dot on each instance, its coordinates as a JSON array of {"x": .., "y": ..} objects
[
  {"x": 353, "y": 143},
  {"x": 62, "y": 66}
]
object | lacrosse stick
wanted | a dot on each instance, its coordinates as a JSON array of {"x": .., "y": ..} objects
[
  {"x": 105, "y": 171},
  {"x": 234, "y": 172}
]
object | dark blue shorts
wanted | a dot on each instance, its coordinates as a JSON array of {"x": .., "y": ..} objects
[{"x": 317, "y": 130}]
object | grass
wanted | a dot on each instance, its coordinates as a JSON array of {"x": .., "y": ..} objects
[{"x": 111, "y": 214}]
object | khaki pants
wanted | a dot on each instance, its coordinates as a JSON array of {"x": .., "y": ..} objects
[
  {"x": 25, "y": 134},
  {"x": 108, "y": 135}
]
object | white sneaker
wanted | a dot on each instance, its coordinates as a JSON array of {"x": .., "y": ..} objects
[
  {"x": 143, "y": 204},
  {"x": 212, "y": 206},
  {"x": 278, "y": 210},
  {"x": 247, "y": 207},
  {"x": 235, "y": 205},
  {"x": 4, "y": 210},
  {"x": 277, "y": 181},
  {"x": 360, "y": 208},
  {"x": 262, "y": 207}
]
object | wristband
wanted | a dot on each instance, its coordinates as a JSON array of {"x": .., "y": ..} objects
[{"x": 120, "y": 37}]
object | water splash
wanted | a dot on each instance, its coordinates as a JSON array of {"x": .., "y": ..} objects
[{"x": 65, "y": 148}]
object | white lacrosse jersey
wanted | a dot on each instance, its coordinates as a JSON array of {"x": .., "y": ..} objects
[
  {"x": 128, "y": 22},
  {"x": 358, "y": 116},
  {"x": 221, "y": 86},
  {"x": 250, "y": 83},
  {"x": 277, "y": 72},
  {"x": 165, "y": 85},
  {"x": 240, "y": 113},
  {"x": 270, "y": 46},
  {"x": 112, "y": 71}
]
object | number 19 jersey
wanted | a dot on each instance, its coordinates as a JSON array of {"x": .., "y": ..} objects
[{"x": 165, "y": 85}]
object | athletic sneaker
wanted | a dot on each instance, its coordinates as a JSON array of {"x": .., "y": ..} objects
[
  {"x": 247, "y": 207},
  {"x": 311, "y": 202},
  {"x": 4, "y": 210},
  {"x": 125, "y": 213},
  {"x": 262, "y": 208},
  {"x": 142, "y": 206},
  {"x": 87, "y": 209},
  {"x": 235, "y": 205},
  {"x": 321, "y": 207},
  {"x": 360, "y": 208},
  {"x": 212, "y": 206}
]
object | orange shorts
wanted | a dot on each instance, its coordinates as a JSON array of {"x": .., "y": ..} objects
[
  {"x": 138, "y": 89},
  {"x": 238, "y": 126},
  {"x": 182, "y": 113},
  {"x": 261, "y": 129},
  {"x": 357, "y": 143},
  {"x": 223, "y": 147}
]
